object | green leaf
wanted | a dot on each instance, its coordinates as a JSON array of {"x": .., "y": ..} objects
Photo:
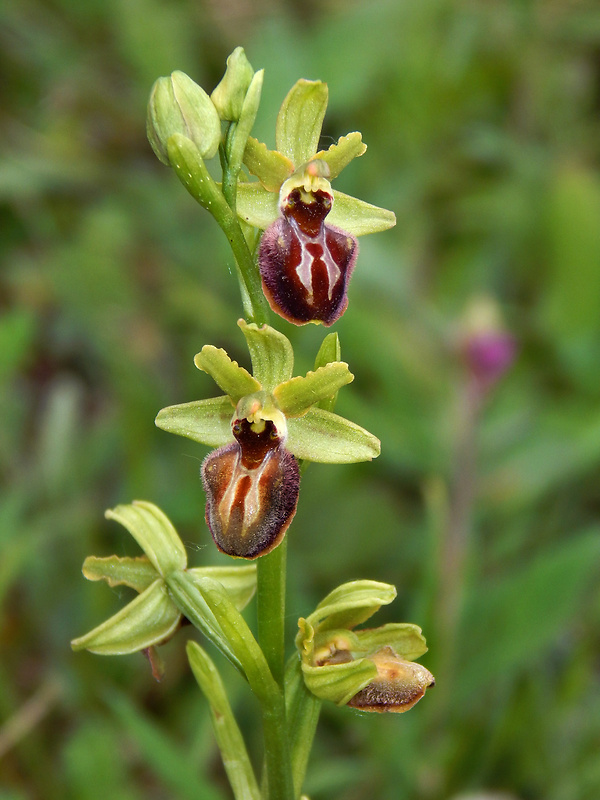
[
  {"x": 154, "y": 533},
  {"x": 271, "y": 353},
  {"x": 149, "y": 619},
  {"x": 300, "y": 120},
  {"x": 256, "y": 206},
  {"x": 357, "y": 217},
  {"x": 351, "y": 603},
  {"x": 271, "y": 167},
  {"x": 205, "y": 421},
  {"x": 330, "y": 439},
  {"x": 296, "y": 396},
  {"x": 339, "y": 155},
  {"x": 302, "y": 715},
  {"x": 238, "y": 582},
  {"x": 138, "y": 573},
  {"x": 227, "y": 733},
  {"x": 405, "y": 639},
  {"x": 234, "y": 380}
]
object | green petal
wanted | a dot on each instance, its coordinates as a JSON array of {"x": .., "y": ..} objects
[
  {"x": 256, "y": 206},
  {"x": 339, "y": 683},
  {"x": 238, "y": 582},
  {"x": 351, "y": 604},
  {"x": 154, "y": 533},
  {"x": 296, "y": 396},
  {"x": 406, "y": 640},
  {"x": 271, "y": 167},
  {"x": 205, "y": 421},
  {"x": 227, "y": 374},
  {"x": 339, "y": 155},
  {"x": 300, "y": 120},
  {"x": 327, "y": 438},
  {"x": 149, "y": 619},
  {"x": 138, "y": 573},
  {"x": 271, "y": 353},
  {"x": 329, "y": 351},
  {"x": 357, "y": 217}
]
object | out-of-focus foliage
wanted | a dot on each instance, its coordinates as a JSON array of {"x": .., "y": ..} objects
[{"x": 482, "y": 121}]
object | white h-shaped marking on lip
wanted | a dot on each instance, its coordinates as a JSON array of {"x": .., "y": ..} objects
[{"x": 304, "y": 269}]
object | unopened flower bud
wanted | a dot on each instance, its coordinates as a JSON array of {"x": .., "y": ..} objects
[
  {"x": 229, "y": 95},
  {"x": 178, "y": 105},
  {"x": 487, "y": 348}
]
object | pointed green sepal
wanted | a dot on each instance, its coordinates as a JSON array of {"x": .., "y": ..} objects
[
  {"x": 330, "y": 439},
  {"x": 205, "y": 421},
  {"x": 300, "y": 120},
  {"x": 351, "y": 604},
  {"x": 138, "y": 573},
  {"x": 339, "y": 155},
  {"x": 271, "y": 167},
  {"x": 338, "y": 683},
  {"x": 154, "y": 533},
  {"x": 296, "y": 396},
  {"x": 329, "y": 351},
  {"x": 357, "y": 217},
  {"x": 405, "y": 639},
  {"x": 227, "y": 733},
  {"x": 256, "y": 206},
  {"x": 238, "y": 582},
  {"x": 229, "y": 94},
  {"x": 271, "y": 353},
  {"x": 234, "y": 380},
  {"x": 151, "y": 618}
]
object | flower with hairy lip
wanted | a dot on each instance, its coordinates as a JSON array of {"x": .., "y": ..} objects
[
  {"x": 261, "y": 425},
  {"x": 309, "y": 247}
]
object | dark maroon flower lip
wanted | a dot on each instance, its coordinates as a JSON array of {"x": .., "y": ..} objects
[
  {"x": 252, "y": 488},
  {"x": 305, "y": 264}
]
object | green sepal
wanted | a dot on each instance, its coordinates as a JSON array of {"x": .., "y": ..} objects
[
  {"x": 271, "y": 167},
  {"x": 227, "y": 733},
  {"x": 329, "y": 351},
  {"x": 357, "y": 217},
  {"x": 338, "y": 683},
  {"x": 178, "y": 105},
  {"x": 300, "y": 119},
  {"x": 229, "y": 94},
  {"x": 340, "y": 154},
  {"x": 294, "y": 397},
  {"x": 351, "y": 604},
  {"x": 405, "y": 639},
  {"x": 138, "y": 573},
  {"x": 148, "y": 619},
  {"x": 205, "y": 421},
  {"x": 240, "y": 131},
  {"x": 234, "y": 380},
  {"x": 154, "y": 533},
  {"x": 256, "y": 206},
  {"x": 191, "y": 170},
  {"x": 238, "y": 582},
  {"x": 271, "y": 353},
  {"x": 330, "y": 439}
]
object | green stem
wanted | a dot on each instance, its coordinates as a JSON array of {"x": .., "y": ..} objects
[{"x": 271, "y": 579}]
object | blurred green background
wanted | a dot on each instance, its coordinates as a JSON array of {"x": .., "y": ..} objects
[{"x": 482, "y": 121}]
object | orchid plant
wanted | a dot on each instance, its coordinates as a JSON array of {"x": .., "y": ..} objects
[{"x": 294, "y": 241}]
